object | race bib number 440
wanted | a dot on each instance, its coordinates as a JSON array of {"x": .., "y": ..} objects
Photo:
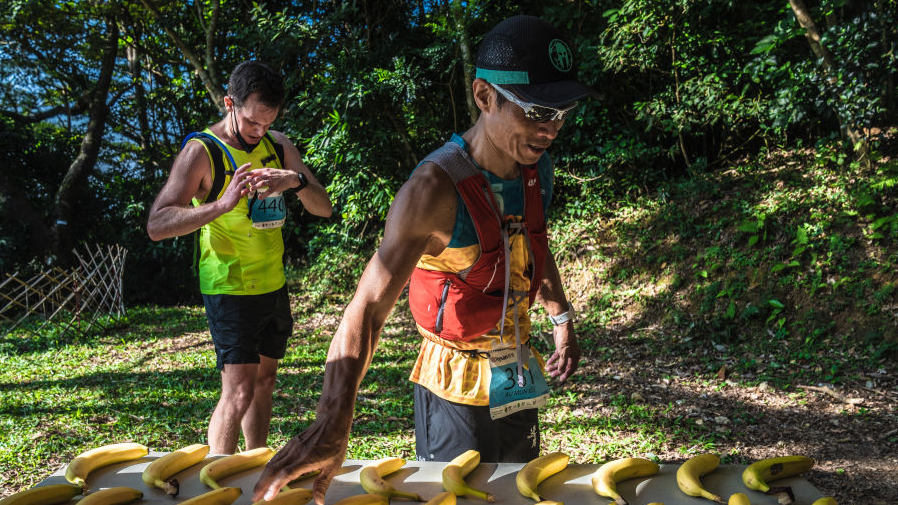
[
  {"x": 506, "y": 394},
  {"x": 268, "y": 212}
]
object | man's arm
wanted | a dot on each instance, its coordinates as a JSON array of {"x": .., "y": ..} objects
[
  {"x": 172, "y": 215},
  {"x": 313, "y": 197},
  {"x": 564, "y": 361},
  {"x": 420, "y": 221}
]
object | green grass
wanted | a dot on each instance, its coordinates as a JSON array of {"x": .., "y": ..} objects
[{"x": 781, "y": 270}]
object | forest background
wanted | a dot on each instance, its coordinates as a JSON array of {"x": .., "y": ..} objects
[{"x": 734, "y": 185}]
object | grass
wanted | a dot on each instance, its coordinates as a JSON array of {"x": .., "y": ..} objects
[{"x": 780, "y": 270}]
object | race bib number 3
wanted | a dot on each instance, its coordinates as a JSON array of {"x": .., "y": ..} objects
[
  {"x": 506, "y": 395},
  {"x": 268, "y": 212}
]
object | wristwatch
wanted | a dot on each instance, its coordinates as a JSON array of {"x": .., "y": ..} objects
[
  {"x": 564, "y": 317},
  {"x": 303, "y": 181}
]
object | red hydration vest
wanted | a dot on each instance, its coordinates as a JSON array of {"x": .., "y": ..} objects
[{"x": 468, "y": 304}]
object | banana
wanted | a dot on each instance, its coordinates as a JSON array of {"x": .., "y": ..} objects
[
  {"x": 689, "y": 475},
  {"x": 364, "y": 499},
  {"x": 550, "y": 502},
  {"x": 757, "y": 475},
  {"x": 455, "y": 472},
  {"x": 112, "y": 496},
  {"x": 297, "y": 496},
  {"x": 738, "y": 499},
  {"x": 373, "y": 482},
  {"x": 78, "y": 469},
  {"x": 159, "y": 473},
  {"x": 235, "y": 463},
  {"x": 605, "y": 479},
  {"x": 44, "y": 495},
  {"x": 444, "y": 498},
  {"x": 219, "y": 496},
  {"x": 538, "y": 470},
  {"x": 825, "y": 501},
  {"x": 655, "y": 503}
]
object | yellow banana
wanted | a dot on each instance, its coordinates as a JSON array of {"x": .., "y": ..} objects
[
  {"x": 738, "y": 499},
  {"x": 757, "y": 475},
  {"x": 364, "y": 499},
  {"x": 44, "y": 495},
  {"x": 373, "y": 482},
  {"x": 655, "y": 503},
  {"x": 689, "y": 475},
  {"x": 825, "y": 501},
  {"x": 235, "y": 463},
  {"x": 159, "y": 473},
  {"x": 220, "y": 496},
  {"x": 112, "y": 496},
  {"x": 444, "y": 498},
  {"x": 455, "y": 472},
  {"x": 550, "y": 502},
  {"x": 296, "y": 496},
  {"x": 605, "y": 479},
  {"x": 78, "y": 469},
  {"x": 538, "y": 470}
]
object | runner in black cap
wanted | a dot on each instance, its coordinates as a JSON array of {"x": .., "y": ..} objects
[{"x": 467, "y": 233}]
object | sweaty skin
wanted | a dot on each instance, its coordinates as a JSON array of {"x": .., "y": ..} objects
[{"x": 420, "y": 221}]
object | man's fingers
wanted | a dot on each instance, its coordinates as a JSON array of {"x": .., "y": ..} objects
[{"x": 322, "y": 482}]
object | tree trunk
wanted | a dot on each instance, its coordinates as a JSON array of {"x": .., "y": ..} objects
[
  {"x": 802, "y": 14},
  {"x": 74, "y": 180},
  {"x": 458, "y": 16},
  {"x": 206, "y": 72}
]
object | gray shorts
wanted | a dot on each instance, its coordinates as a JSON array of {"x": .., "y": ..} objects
[{"x": 444, "y": 430}]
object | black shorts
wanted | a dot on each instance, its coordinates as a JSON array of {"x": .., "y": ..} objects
[
  {"x": 444, "y": 430},
  {"x": 245, "y": 326}
]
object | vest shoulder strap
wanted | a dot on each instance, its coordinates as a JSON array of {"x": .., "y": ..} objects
[
  {"x": 220, "y": 173},
  {"x": 455, "y": 161}
]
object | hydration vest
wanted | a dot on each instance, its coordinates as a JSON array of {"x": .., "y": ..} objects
[{"x": 470, "y": 303}]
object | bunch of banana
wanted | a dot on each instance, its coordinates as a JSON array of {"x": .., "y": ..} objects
[
  {"x": 604, "y": 481},
  {"x": 444, "y": 498},
  {"x": 297, "y": 496},
  {"x": 455, "y": 472},
  {"x": 112, "y": 496},
  {"x": 364, "y": 499},
  {"x": 690, "y": 473},
  {"x": 738, "y": 499},
  {"x": 538, "y": 470},
  {"x": 757, "y": 475},
  {"x": 220, "y": 496},
  {"x": 825, "y": 501},
  {"x": 44, "y": 495},
  {"x": 159, "y": 473},
  {"x": 372, "y": 479},
  {"x": 235, "y": 463},
  {"x": 78, "y": 469}
]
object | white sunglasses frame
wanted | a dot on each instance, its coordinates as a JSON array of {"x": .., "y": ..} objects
[{"x": 560, "y": 114}]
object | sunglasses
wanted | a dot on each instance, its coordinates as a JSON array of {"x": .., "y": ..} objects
[{"x": 534, "y": 112}]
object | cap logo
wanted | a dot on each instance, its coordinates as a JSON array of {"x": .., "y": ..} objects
[{"x": 560, "y": 55}]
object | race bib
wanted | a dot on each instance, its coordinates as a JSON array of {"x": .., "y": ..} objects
[
  {"x": 506, "y": 395},
  {"x": 270, "y": 212}
]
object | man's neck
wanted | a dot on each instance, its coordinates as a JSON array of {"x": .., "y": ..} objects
[
  {"x": 489, "y": 156},
  {"x": 224, "y": 131}
]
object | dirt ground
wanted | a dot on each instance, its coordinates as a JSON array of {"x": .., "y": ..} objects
[{"x": 850, "y": 429}]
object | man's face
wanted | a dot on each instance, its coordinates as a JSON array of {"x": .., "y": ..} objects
[
  {"x": 253, "y": 119},
  {"x": 522, "y": 139}
]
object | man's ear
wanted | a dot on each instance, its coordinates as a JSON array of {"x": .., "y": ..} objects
[
  {"x": 228, "y": 103},
  {"x": 482, "y": 95}
]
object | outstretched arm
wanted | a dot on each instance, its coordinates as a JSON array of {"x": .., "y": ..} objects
[{"x": 420, "y": 221}]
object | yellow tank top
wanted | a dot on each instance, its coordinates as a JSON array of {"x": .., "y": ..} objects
[{"x": 235, "y": 257}]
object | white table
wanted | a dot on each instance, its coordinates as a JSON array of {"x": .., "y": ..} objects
[{"x": 571, "y": 486}]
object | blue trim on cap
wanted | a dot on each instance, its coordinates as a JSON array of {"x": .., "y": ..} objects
[{"x": 502, "y": 76}]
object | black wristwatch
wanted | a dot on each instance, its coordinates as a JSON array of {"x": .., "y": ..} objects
[{"x": 303, "y": 181}]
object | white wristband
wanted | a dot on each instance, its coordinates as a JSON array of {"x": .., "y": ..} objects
[{"x": 564, "y": 317}]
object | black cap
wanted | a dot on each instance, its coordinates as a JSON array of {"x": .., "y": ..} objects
[{"x": 532, "y": 58}]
